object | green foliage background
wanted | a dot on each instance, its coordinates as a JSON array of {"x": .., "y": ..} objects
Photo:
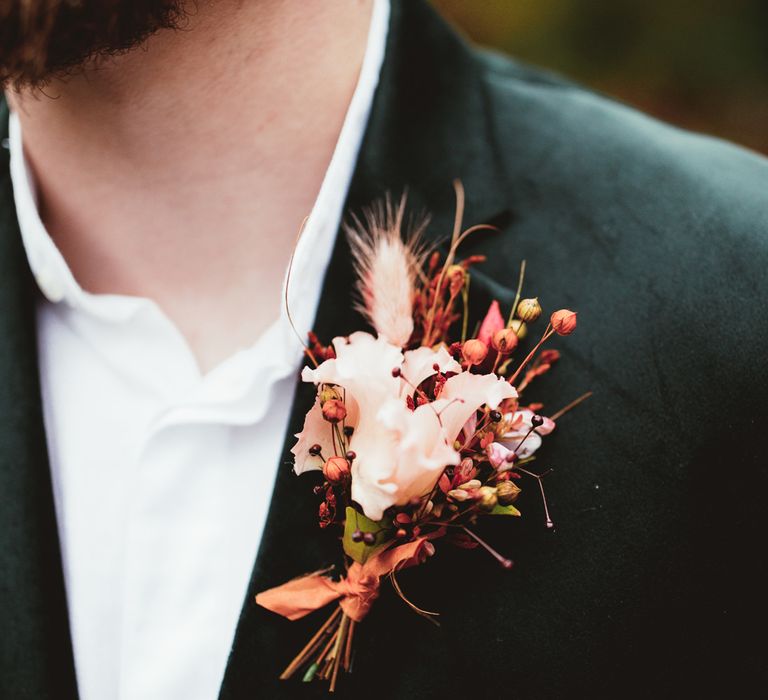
[{"x": 701, "y": 64}]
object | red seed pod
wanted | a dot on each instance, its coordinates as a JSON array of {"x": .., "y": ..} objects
[
  {"x": 334, "y": 411},
  {"x": 563, "y": 321},
  {"x": 474, "y": 351},
  {"x": 504, "y": 341},
  {"x": 336, "y": 469}
]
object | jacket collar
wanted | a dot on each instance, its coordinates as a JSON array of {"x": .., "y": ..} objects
[
  {"x": 428, "y": 126},
  {"x": 35, "y": 648}
]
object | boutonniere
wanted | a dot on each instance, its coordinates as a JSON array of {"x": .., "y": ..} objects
[{"x": 419, "y": 429}]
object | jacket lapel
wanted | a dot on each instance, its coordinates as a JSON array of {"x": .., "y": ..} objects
[
  {"x": 35, "y": 647},
  {"x": 427, "y": 126}
]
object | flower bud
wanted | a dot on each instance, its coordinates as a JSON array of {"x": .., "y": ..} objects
[
  {"x": 519, "y": 327},
  {"x": 507, "y": 492},
  {"x": 336, "y": 469},
  {"x": 466, "y": 469},
  {"x": 471, "y": 485},
  {"x": 474, "y": 351},
  {"x": 458, "y": 495},
  {"x": 529, "y": 310},
  {"x": 504, "y": 341},
  {"x": 488, "y": 498},
  {"x": 563, "y": 321},
  {"x": 334, "y": 411}
]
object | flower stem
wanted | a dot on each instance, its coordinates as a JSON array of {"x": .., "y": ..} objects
[
  {"x": 547, "y": 334},
  {"x": 571, "y": 405},
  {"x": 506, "y": 563},
  {"x": 550, "y": 524},
  {"x": 309, "y": 648},
  {"x": 517, "y": 295}
]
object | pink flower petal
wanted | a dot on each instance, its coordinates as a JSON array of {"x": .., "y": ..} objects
[
  {"x": 492, "y": 323},
  {"x": 499, "y": 455}
]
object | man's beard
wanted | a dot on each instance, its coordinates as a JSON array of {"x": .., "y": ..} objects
[{"x": 40, "y": 39}]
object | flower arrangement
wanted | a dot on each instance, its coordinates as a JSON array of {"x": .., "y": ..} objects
[{"x": 418, "y": 432}]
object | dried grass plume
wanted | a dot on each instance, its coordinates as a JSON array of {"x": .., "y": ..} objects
[{"x": 386, "y": 265}]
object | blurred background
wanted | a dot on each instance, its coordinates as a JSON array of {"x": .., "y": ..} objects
[{"x": 701, "y": 64}]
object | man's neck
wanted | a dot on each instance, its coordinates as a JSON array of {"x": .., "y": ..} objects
[{"x": 182, "y": 170}]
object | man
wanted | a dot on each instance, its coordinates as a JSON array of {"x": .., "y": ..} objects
[{"x": 160, "y": 159}]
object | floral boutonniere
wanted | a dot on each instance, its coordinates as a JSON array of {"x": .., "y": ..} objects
[{"x": 419, "y": 430}]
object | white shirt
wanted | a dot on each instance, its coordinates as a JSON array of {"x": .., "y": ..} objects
[{"x": 162, "y": 476}]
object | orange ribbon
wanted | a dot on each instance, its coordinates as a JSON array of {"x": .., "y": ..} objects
[{"x": 358, "y": 590}]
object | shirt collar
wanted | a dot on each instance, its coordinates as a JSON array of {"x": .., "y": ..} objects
[{"x": 58, "y": 284}]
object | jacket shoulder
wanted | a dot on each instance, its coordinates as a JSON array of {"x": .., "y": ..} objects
[
  {"x": 636, "y": 218},
  {"x": 572, "y": 136}
]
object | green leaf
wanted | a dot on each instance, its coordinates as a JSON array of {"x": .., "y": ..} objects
[
  {"x": 360, "y": 551},
  {"x": 504, "y": 510}
]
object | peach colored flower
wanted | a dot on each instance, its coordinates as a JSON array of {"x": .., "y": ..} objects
[{"x": 400, "y": 453}]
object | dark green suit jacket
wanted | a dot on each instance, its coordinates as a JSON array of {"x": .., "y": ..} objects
[{"x": 653, "y": 582}]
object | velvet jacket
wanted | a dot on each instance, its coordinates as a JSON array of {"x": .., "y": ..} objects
[{"x": 652, "y": 583}]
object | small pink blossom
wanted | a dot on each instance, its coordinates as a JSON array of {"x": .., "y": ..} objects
[
  {"x": 500, "y": 456},
  {"x": 520, "y": 427}
]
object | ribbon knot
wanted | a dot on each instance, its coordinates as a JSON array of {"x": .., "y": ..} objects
[{"x": 357, "y": 590}]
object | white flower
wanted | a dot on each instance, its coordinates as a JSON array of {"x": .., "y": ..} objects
[{"x": 400, "y": 453}]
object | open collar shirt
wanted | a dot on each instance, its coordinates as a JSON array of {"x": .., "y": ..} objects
[{"x": 162, "y": 475}]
